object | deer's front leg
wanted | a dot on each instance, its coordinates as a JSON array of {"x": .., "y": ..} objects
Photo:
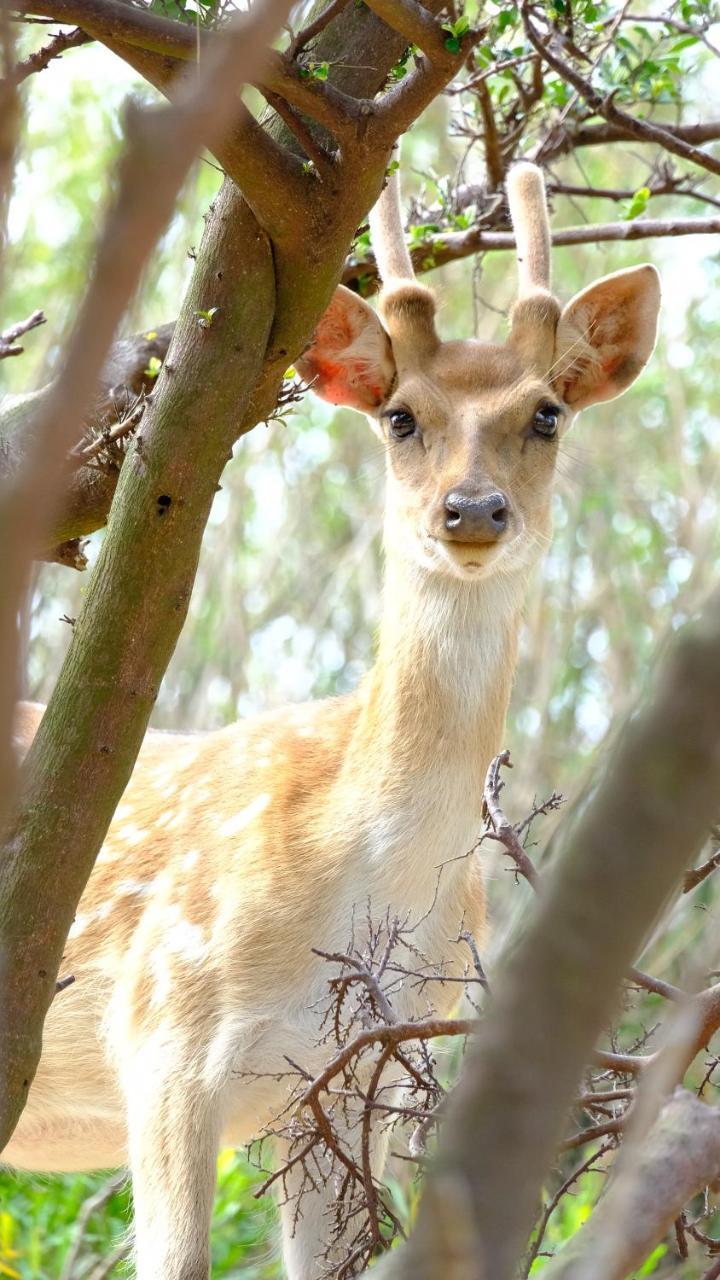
[{"x": 174, "y": 1130}]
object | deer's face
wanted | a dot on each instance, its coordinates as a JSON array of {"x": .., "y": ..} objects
[
  {"x": 471, "y": 430},
  {"x": 471, "y": 445}
]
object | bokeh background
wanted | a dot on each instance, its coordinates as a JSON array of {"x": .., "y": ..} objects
[{"x": 288, "y": 591}]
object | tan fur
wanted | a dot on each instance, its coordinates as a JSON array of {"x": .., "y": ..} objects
[{"x": 233, "y": 854}]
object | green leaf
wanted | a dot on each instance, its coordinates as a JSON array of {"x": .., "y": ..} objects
[
  {"x": 205, "y": 318},
  {"x": 637, "y": 205},
  {"x": 506, "y": 18},
  {"x": 154, "y": 365}
]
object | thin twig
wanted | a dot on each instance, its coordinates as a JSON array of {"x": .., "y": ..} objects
[
  {"x": 8, "y": 338},
  {"x": 42, "y": 58}
]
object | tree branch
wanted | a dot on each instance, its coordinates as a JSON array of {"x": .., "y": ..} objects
[
  {"x": 680, "y": 1156},
  {"x": 605, "y": 106},
  {"x": 450, "y": 246},
  {"x": 42, "y": 58},
  {"x": 599, "y": 135},
  {"x": 55, "y": 834},
  {"x": 415, "y": 23},
  {"x": 402, "y": 104},
  {"x": 8, "y": 338},
  {"x": 314, "y": 28}
]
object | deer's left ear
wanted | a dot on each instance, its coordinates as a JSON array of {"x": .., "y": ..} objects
[{"x": 606, "y": 335}]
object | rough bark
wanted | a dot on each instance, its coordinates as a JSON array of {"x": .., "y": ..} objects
[{"x": 619, "y": 856}]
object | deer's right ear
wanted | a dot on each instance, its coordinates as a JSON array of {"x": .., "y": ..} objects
[{"x": 350, "y": 359}]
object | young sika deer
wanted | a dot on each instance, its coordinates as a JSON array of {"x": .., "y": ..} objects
[{"x": 233, "y": 854}]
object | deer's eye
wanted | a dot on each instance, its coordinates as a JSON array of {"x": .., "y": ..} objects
[
  {"x": 545, "y": 421},
  {"x": 402, "y": 423}
]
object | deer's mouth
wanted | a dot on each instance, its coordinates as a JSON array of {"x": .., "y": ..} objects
[{"x": 464, "y": 558}]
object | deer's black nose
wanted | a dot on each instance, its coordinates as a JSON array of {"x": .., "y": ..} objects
[{"x": 471, "y": 517}]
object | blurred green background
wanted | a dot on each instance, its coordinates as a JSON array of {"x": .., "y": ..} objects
[{"x": 287, "y": 596}]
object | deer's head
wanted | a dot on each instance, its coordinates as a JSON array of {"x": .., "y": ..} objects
[{"x": 471, "y": 428}]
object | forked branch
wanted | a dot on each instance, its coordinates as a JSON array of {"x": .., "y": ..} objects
[
  {"x": 604, "y": 105},
  {"x": 9, "y": 345}
]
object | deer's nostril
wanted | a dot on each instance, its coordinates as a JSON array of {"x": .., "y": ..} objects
[
  {"x": 500, "y": 516},
  {"x": 452, "y": 516}
]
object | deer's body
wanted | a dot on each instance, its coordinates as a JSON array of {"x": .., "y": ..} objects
[{"x": 232, "y": 855}]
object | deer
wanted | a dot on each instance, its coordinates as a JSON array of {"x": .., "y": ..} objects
[{"x": 233, "y": 854}]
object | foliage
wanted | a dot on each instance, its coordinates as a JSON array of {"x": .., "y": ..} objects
[{"x": 38, "y": 1226}]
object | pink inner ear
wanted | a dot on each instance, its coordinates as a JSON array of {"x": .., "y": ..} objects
[
  {"x": 343, "y": 383},
  {"x": 349, "y": 361}
]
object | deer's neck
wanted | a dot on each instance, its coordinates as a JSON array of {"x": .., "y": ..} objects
[
  {"x": 432, "y": 716},
  {"x": 441, "y": 686}
]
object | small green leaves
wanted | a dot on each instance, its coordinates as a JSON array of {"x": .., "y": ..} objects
[
  {"x": 362, "y": 247},
  {"x": 151, "y": 335},
  {"x": 456, "y": 31},
  {"x": 392, "y": 168},
  {"x": 637, "y": 205},
  {"x": 205, "y": 318},
  {"x": 315, "y": 70},
  {"x": 290, "y": 373},
  {"x": 506, "y": 18},
  {"x": 154, "y": 365},
  {"x": 420, "y": 232}
]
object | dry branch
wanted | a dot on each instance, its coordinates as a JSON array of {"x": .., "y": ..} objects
[
  {"x": 41, "y": 58},
  {"x": 680, "y": 1156}
]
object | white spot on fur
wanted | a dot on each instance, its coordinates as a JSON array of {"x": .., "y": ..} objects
[
  {"x": 79, "y": 925},
  {"x": 130, "y": 834},
  {"x": 137, "y": 888},
  {"x": 240, "y": 820},
  {"x": 160, "y": 971},
  {"x": 188, "y": 941}
]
